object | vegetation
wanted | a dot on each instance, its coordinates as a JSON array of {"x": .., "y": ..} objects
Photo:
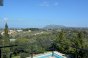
[
  {"x": 70, "y": 41},
  {"x": 5, "y": 42}
]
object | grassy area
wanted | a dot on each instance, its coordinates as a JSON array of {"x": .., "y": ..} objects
[{"x": 16, "y": 57}]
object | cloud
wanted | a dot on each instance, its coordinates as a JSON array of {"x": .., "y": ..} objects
[
  {"x": 49, "y": 3},
  {"x": 45, "y": 3}
]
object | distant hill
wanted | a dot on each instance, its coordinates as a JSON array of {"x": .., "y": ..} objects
[{"x": 54, "y": 27}]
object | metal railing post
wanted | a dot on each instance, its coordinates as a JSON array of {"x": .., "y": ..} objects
[{"x": 0, "y": 52}]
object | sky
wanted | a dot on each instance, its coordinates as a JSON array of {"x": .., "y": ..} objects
[{"x": 39, "y": 13}]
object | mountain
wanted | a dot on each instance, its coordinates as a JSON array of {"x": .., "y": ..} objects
[{"x": 54, "y": 27}]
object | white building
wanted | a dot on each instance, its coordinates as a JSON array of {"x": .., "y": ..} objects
[{"x": 19, "y": 30}]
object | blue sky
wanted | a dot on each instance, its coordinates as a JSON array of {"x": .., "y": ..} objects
[{"x": 39, "y": 13}]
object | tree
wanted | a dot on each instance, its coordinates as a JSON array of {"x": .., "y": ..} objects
[
  {"x": 6, "y": 31},
  {"x": 61, "y": 41},
  {"x": 0, "y": 39},
  {"x": 6, "y": 42}
]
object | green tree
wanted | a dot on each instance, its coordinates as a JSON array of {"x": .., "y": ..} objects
[
  {"x": 6, "y": 31},
  {"x": 6, "y": 42},
  {"x": 61, "y": 41}
]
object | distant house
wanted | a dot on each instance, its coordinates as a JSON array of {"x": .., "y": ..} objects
[
  {"x": 2, "y": 33},
  {"x": 12, "y": 40},
  {"x": 29, "y": 30},
  {"x": 10, "y": 32},
  {"x": 38, "y": 33},
  {"x": 19, "y": 30}
]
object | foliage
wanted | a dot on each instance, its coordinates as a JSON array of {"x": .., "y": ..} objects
[
  {"x": 72, "y": 42},
  {"x": 5, "y": 42}
]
